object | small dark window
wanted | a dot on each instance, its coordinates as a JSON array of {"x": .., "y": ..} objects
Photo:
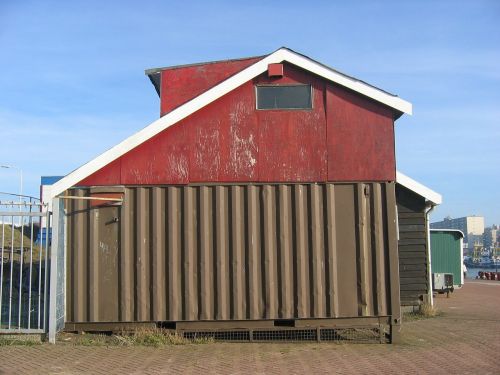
[{"x": 284, "y": 97}]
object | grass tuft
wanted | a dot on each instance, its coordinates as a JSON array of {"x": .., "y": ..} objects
[
  {"x": 153, "y": 337},
  {"x": 16, "y": 341},
  {"x": 425, "y": 311},
  {"x": 428, "y": 311},
  {"x": 158, "y": 337}
]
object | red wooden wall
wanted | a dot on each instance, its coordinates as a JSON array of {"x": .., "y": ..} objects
[
  {"x": 181, "y": 84},
  {"x": 345, "y": 137}
]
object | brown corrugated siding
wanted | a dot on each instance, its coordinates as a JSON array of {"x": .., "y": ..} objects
[{"x": 233, "y": 252}]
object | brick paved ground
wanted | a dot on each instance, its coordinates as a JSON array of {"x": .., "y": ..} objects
[{"x": 465, "y": 339}]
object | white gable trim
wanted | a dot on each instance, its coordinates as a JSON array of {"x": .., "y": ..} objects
[
  {"x": 351, "y": 83},
  {"x": 417, "y": 187},
  {"x": 213, "y": 94},
  {"x": 458, "y": 231}
]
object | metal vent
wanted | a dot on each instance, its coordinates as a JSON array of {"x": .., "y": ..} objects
[
  {"x": 371, "y": 335},
  {"x": 286, "y": 335},
  {"x": 218, "y": 335},
  {"x": 357, "y": 335}
]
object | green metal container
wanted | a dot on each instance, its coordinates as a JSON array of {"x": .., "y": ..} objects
[{"x": 447, "y": 253}]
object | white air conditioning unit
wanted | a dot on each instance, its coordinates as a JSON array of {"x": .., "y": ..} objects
[{"x": 442, "y": 282}]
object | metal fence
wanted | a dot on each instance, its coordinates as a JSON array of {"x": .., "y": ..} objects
[{"x": 25, "y": 239}]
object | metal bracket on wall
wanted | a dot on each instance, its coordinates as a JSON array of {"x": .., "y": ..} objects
[{"x": 116, "y": 201}]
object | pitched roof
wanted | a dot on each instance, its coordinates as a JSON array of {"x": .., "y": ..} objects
[
  {"x": 422, "y": 190},
  {"x": 455, "y": 231},
  {"x": 154, "y": 74},
  {"x": 202, "y": 100}
]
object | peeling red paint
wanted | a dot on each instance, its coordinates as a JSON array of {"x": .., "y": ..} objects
[
  {"x": 162, "y": 158},
  {"x": 345, "y": 137}
]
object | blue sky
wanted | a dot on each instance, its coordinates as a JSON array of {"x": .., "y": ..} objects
[{"x": 72, "y": 80}]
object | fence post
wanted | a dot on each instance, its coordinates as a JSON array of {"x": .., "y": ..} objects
[{"x": 56, "y": 244}]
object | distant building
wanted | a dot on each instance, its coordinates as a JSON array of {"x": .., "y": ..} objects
[
  {"x": 471, "y": 226},
  {"x": 490, "y": 236}
]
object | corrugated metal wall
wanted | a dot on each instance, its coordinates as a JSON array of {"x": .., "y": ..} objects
[
  {"x": 446, "y": 254},
  {"x": 233, "y": 252},
  {"x": 412, "y": 247}
]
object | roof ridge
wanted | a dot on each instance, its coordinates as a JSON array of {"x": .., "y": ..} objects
[{"x": 158, "y": 70}]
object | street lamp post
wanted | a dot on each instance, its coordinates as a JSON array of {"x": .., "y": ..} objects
[
  {"x": 20, "y": 185},
  {"x": 21, "y": 179}
]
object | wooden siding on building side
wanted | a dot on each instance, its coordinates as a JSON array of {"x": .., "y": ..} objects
[{"x": 412, "y": 246}]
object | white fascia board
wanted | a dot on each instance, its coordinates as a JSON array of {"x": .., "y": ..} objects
[
  {"x": 417, "y": 187},
  {"x": 448, "y": 230},
  {"x": 215, "y": 93},
  {"x": 351, "y": 83}
]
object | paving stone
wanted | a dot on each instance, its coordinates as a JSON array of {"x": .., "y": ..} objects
[{"x": 463, "y": 340}]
